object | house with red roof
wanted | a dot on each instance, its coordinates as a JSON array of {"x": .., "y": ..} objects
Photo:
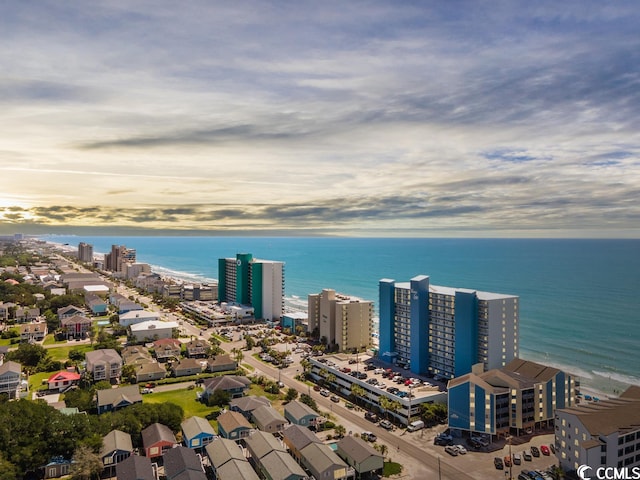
[{"x": 62, "y": 380}]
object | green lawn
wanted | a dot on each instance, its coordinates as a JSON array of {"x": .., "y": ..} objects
[
  {"x": 62, "y": 353},
  {"x": 35, "y": 380},
  {"x": 51, "y": 340},
  {"x": 391, "y": 468},
  {"x": 183, "y": 397}
]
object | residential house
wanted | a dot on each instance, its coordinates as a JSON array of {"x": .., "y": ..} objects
[
  {"x": 360, "y": 455},
  {"x": 322, "y": 462},
  {"x": 104, "y": 364},
  {"x": 223, "y": 450},
  {"x": 235, "y": 385},
  {"x": 152, "y": 330},
  {"x": 185, "y": 367},
  {"x": 4, "y": 349},
  {"x": 297, "y": 437},
  {"x": 112, "y": 399},
  {"x": 57, "y": 467},
  {"x": 5, "y": 309},
  {"x": 198, "y": 348},
  {"x": 299, "y": 413},
  {"x": 197, "y": 432},
  {"x": 116, "y": 447},
  {"x": 182, "y": 463},
  {"x": 270, "y": 458},
  {"x": 233, "y": 426},
  {"x": 96, "y": 304},
  {"x": 10, "y": 373},
  {"x": 268, "y": 419},
  {"x": 150, "y": 372},
  {"x": 137, "y": 316},
  {"x": 221, "y": 363},
  {"x": 123, "y": 304},
  {"x": 246, "y": 405},
  {"x": 157, "y": 439},
  {"x": 236, "y": 469},
  {"x": 76, "y": 326},
  {"x": 167, "y": 349},
  {"x": 136, "y": 355},
  {"x": 33, "y": 332},
  {"x": 69, "y": 311},
  {"x": 61, "y": 381},
  {"x": 135, "y": 468},
  {"x": 26, "y": 314}
]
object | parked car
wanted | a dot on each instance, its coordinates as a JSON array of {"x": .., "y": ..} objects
[
  {"x": 324, "y": 392},
  {"x": 335, "y": 398},
  {"x": 517, "y": 459},
  {"x": 443, "y": 439},
  {"x": 372, "y": 417},
  {"x": 552, "y": 448},
  {"x": 461, "y": 449},
  {"x": 386, "y": 424},
  {"x": 451, "y": 450},
  {"x": 527, "y": 455},
  {"x": 349, "y": 405},
  {"x": 369, "y": 436},
  {"x": 497, "y": 462},
  {"x": 507, "y": 461},
  {"x": 545, "y": 450},
  {"x": 535, "y": 452}
]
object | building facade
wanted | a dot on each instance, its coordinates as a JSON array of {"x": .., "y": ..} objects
[
  {"x": 249, "y": 281},
  {"x": 85, "y": 252},
  {"x": 341, "y": 320},
  {"x": 517, "y": 398},
  {"x": 116, "y": 260},
  {"x": 445, "y": 330},
  {"x": 603, "y": 433}
]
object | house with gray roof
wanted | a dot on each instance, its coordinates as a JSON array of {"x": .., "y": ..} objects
[
  {"x": 360, "y": 455},
  {"x": 246, "y": 405},
  {"x": 186, "y": 367},
  {"x": 221, "y": 363},
  {"x": 112, "y": 399},
  {"x": 116, "y": 447},
  {"x": 278, "y": 465},
  {"x": 197, "y": 432},
  {"x": 236, "y": 469},
  {"x": 234, "y": 426},
  {"x": 135, "y": 468},
  {"x": 197, "y": 348},
  {"x": 167, "y": 348},
  {"x": 260, "y": 443},
  {"x": 299, "y": 413},
  {"x": 268, "y": 419},
  {"x": 182, "y": 463},
  {"x": 104, "y": 364},
  {"x": 157, "y": 439},
  {"x": 235, "y": 385},
  {"x": 149, "y": 372},
  {"x": 75, "y": 326},
  {"x": 322, "y": 462},
  {"x": 296, "y": 437},
  {"x": 222, "y": 450}
]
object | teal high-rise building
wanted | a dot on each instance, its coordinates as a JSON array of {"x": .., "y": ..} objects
[
  {"x": 445, "y": 330},
  {"x": 245, "y": 280}
]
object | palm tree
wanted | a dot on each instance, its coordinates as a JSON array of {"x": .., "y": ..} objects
[
  {"x": 330, "y": 379},
  {"x": 238, "y": 356},
  {"x": 357, "y": 391},
  {"x": 385, "y": 404},
  {"x": 383, "y": 449}
]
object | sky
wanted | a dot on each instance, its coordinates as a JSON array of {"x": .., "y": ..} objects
[{"x": 361, "y": 118}]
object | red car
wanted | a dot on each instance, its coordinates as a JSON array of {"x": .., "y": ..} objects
[{"x": 545, "y": 450}]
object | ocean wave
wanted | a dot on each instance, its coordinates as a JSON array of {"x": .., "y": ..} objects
[{"x": 180, "y": 275}]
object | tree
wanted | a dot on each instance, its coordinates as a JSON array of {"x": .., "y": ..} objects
[
  {"x": 86, "y": 464},
  {"x": 250, "y": 342},
  {"x": 29, "y": 355},
  {"x": 8, "y": 471},
  {"x": 291, "y": 395},
  {"x": 307, "y": 400},
  {"x": 218, "y": 398},
  {"x": 357, "y": 392},
  {"x": 340, "y": 430},
  {"x": 238, "y": 356}
]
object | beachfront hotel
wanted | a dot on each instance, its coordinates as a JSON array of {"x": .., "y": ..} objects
[
  {"x": 600, "y": 433},
  {"x": 444, "y": 330},
  {"x": 116, "y": 260},
  {"x": 85, "y": 252},
  {"x": 341, "y": 320},
  {"x": 520, "y": 397},
  {"x": 245, "y": 280}
]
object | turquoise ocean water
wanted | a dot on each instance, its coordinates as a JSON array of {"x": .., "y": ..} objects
[{"x": 579, "y": 299}]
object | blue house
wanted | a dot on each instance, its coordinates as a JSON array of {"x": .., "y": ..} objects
[{"x": 197, "y": 433}]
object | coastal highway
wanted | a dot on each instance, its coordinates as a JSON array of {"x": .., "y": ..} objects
[{"x": 349, "y": 417}]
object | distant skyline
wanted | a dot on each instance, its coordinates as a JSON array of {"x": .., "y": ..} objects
[{"x": 362, "y": 118}]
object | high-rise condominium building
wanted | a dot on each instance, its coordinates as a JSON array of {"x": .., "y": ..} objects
[
  {"x": 445, "y": 330},
  {"x": 85, "y": 252},
  {"x": 250, "y": 281},
  {"x": 118, "y": 258},
  {"x": 341, "y": 320}
]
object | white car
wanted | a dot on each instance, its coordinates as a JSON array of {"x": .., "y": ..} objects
[
  {"x": 324, "y": 392},
  {"x": 461, "y": 449}
]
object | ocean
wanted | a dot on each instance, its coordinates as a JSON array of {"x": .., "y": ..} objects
[{"x": 579, "y": 300}]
